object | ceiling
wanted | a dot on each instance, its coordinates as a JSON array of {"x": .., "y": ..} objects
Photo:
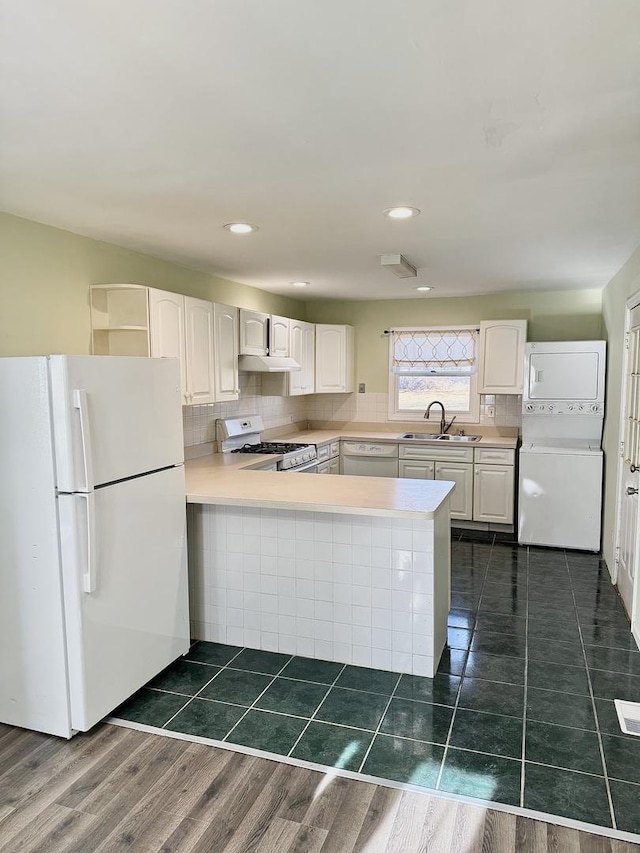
[{"x": 513, "y": 127}]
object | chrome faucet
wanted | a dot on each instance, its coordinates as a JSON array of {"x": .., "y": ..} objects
[{"x": 444, "y": 426}]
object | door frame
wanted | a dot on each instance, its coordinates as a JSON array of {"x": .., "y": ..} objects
[{"x": 631, "y": 303}]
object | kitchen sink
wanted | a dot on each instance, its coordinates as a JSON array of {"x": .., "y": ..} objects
[{"x": 429, "y": 436}]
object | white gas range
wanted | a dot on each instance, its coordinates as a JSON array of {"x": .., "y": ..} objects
[{"x": 242, "y": 435}]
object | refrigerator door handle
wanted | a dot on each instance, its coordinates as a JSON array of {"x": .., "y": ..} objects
[
  {"x": 90, "y": 575},
  {"x": 80, "y": 402}
]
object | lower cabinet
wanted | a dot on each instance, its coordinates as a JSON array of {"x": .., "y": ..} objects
[
  {"x": 329, "y": 458},
  {"x": 493, "y": 492},
  {"x": 484, "y": 478}
]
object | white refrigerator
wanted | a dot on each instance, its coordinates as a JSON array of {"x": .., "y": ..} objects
[{"x": 93, "y": 573}]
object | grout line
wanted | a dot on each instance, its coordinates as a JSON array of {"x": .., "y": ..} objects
[
  {"x": 464, "y": 670},
  {"x": 259, "y": 696},
  {"x": 313, "y": 716},
  {"x": 526, "y": 687},
  {"x": 380, "y": 721},
  {"x": 595, "y": 715}
]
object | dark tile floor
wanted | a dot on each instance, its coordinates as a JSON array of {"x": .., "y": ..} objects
[{"x": 521, "y": 711}]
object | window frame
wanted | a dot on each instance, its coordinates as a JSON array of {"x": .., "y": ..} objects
[{"x": 472, "y": 416}]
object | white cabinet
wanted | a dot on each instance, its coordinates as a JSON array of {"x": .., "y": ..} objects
[
  {"x": 461, "y": 500},
  {"x": 119, "y": 319},
  {"x": 302, "y": 348},
  {"x": 329, "y": 458},
  {"x": 198, "y": 315},
  {"x": 182, "y": 327},
  {"x": 494, "y": 485},
  {"x": 279, "y": 336},
  {"x": 167, "y": 330},
  {"x": 225, "y": 341},
  {"x": 501, "y": 356},
  {"x": 254, "y": 332},
  {"x": 427, "y": 462},
  {"x": 334, "y": 359}
]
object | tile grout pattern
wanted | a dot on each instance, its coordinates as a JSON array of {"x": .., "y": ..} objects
[{"x": 520, "y": 712}]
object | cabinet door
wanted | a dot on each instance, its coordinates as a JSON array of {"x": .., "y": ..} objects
[
  {"x": 308, "y": 358},
  {"x": 334, "y": 359},
  {"x": 493, "y": 493},
  {"x": 225, "y": 342},
  {"x": 279, "y": 336},
  {"x": 296, "y": 350},
  {"x": 199, "y": 349},
  {"x": 334, "y": 465},
  {"x": 462, "y": 497},
  {"x": 166, "y": 328},
  {"x": 254, "y": 332},
  {"x": 324, "y": 468},
  {"x": 501, "y": 356},
  {"x": 417, "y": 470}
]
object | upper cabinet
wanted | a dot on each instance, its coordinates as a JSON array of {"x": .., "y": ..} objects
[
  {"x": 225, "y": 341},
  {"x": 254, "y": 332},
  {"x": 334, "y": 359},
  {"x": 279, "y": 336},
  {"x": 301, "y": 348},
  {"x": 131, "y": 319},
  {"x": 501, "y": 356},
  {"x": 182, "y": 327}
]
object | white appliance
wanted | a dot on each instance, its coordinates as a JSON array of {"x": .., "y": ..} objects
[
  {"x": 560, "y": 472},
  {"x": 242, "y": 435},
  {"x": 93, "y": 585},
  {"x": 365, "y": 459}
]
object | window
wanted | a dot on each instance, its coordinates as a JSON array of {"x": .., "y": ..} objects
[{"x": 428, "y": 364}]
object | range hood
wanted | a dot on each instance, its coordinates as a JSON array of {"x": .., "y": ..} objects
[{"x": 267, "y": 364}]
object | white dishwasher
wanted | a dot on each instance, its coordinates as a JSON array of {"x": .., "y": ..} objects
[{"x": 365, "y": 459}]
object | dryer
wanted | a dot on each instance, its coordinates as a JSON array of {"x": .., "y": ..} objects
[{"x": 560, "y": 471}]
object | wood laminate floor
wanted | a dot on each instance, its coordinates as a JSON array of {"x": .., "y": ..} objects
[{"x": 117, "y": 789}]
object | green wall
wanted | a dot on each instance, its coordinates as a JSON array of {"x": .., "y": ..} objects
[
  {"x": 45, "y": 275},
  {"x": 566, "y": 315},
  {"x": 624, "y": 284}
]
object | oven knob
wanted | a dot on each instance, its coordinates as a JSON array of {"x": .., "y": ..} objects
[
  {"x": 570, "y": 407},
  {"x": 595, "y": 407},
  {"x": 551, "y": 407},
  {"x": 529, "y": 407},
  {"x": 581, "y": 408}
]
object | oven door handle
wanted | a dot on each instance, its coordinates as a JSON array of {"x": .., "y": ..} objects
[{"x": 308, "y": 467}]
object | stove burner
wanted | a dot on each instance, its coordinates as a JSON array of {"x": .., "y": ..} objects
[{"x": 268, "y": 447}]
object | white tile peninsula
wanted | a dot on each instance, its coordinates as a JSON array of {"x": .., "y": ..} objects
[{"x": 351, "y": 569}]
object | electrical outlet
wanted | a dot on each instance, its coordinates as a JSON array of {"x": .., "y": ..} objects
[
  {"x": 491, "y": 411},
  {"x": 361, "y": 388}
]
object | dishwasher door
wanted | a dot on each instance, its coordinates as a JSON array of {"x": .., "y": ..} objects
[{"x": 369, "y": 460}]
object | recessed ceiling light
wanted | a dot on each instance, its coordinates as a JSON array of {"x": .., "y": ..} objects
[
  {"x": 423, "y": 287},
  {"x": 401, "y": 212},
  {"x": 300, "y": 284},
  {"x": 241, "y": 227}
]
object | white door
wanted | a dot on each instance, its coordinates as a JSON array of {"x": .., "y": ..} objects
[
  {"x": 166, "y": 329},
  {"x": 629, "y": 478},
  {"x": 308, "y": 358},
  {"x": 226, "y": 353},
  {"x": 331, "y": 366},
  {"x": 199, "y": 349},
  {"x": 501, "y": 356},
  {"x": 114, "y": 417},
  {"x": 461, "y": 499},
  {"x": 493, "y": 493},
  {"x": 126, "y": 599},
  {"x": 279, "y": 336},
  {"x": 254, "y": 332},
  {"x": 417, "y": 470},
  {"x": 296, "y": 348}
]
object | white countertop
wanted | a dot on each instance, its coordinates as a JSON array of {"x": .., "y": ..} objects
[
  {"x": 322, "y": 436},
  {"x": 227, "y": 480}
]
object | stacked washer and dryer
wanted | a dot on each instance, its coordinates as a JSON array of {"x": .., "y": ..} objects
[{"x": 560, "y": 478}]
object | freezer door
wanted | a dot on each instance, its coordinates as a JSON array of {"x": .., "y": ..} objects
[
  {"x": 114, "y": 418},
  {"x": 125, "y": 588},
  {"x": 560, "y": 500}
]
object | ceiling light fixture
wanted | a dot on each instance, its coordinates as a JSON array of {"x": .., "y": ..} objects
[
  {"x": 401, "y": 212},
  {"x": 300, "y": 284},
  {"x": 240, "y": 227},
  {"x": 424, "y": 287}
]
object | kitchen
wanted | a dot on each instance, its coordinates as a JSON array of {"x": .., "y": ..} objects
[{"x": 46, "y": 274}]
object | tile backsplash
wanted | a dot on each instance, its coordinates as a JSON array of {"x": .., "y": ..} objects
[{"x": 199, "y": 421}]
